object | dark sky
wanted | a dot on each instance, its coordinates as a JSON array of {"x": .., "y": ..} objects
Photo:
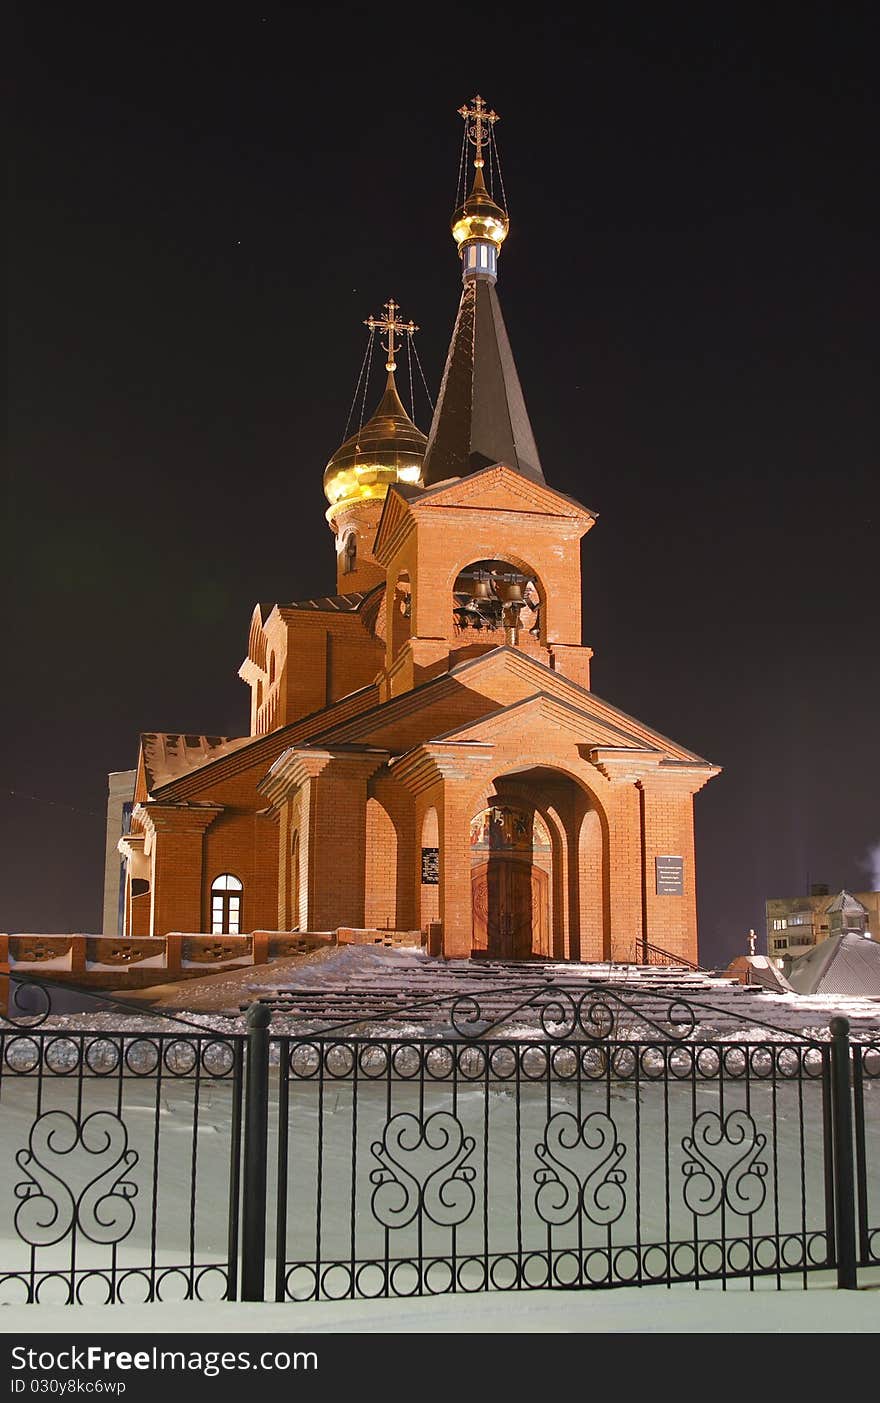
[{"x": 207, "y": 203}]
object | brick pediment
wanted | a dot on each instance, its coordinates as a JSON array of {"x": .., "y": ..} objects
[
  {"x": 489, "y": 688},
  {"x": 551, "y": 714},
  {"x": 500, "y": 488}
]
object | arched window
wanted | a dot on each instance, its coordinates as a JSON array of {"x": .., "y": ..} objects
[
  {"x": 271, "y": 668},
  {"x": 349, "y": 553},
  {"x": 226, "y": 905}
]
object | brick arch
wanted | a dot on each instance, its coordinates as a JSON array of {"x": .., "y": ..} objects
[
  {"x": 592, "y": 791},
  {"x": 506, "y": 557},
  {"x": 347, "y": 549},
  {"x": 581, "y": 922},
  {"x": 374, "y": 613},
  {"x": 380, "y": 895},
  {"x": 257, "y": 639}
]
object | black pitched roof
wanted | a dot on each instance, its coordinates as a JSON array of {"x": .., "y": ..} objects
[{"x": 481, "y": 416}]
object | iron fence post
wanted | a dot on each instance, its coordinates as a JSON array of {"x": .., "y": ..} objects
[
  {"x": 844, "y": 1160},
  {"x": 256, "y": 1144}
]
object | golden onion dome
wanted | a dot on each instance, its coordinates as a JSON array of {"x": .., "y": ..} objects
[
  {"x": 480, "y": 217},
  {"x": 387, "y": 449}
]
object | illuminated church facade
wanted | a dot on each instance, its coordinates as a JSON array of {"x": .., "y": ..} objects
[{"x": 425, "y": 750}]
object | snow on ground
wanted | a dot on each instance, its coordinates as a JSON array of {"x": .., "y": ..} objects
[
  {"x": 369, "y": 981},
  {"x": 646, "y": 1310}
]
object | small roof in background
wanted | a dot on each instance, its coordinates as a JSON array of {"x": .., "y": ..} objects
[
  {"x": 844, "y": 902},
  {"x": 848, "y": 963}
]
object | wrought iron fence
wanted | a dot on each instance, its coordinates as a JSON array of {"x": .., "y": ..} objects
[{"x": 608, "y": 1145}]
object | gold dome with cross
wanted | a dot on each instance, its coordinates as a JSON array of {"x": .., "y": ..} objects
[{"x": 388, "y": 448}]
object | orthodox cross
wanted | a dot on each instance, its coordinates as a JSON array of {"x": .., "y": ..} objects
[
  {"x": 476, "y": 118},
  {"x": 392, "y": 327}
]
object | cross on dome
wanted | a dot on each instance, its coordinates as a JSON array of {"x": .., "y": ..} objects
[
  {"x": 392, "y": 327},
  {"x": 476, "y": 117}
]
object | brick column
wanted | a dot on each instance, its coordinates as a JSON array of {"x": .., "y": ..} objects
[
  {"x": 667, "y": 818},
  {"x": 624, "y": 866},
  {"x": 456, "y": 915},
  {"x": 450, "y": 777},
  {"x": 137, "y": 865},
  {"x": 175, "y": 845},
  {"x": 333, "y": 830}
]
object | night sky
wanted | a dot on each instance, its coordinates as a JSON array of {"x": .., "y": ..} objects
[{"x": 208, "y": 202}]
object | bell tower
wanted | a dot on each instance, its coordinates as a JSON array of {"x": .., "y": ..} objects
[{"x": 485, "y": 554}]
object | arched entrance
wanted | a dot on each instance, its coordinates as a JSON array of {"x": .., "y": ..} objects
[{"x": 510, "y": 883}]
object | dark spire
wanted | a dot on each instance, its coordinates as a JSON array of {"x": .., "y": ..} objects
[{"x": 481, "y": 416}]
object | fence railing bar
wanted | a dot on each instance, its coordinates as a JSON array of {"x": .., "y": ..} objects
[
  {"x": 861, "y": 1156},
  {"x": 842, "y": 1142},
  {"x": 282, "y": 1167},
  {"x": 828, "y": 1158},
  {"x": 234, "y": 1172},
  {"x": 256, "y": 1130}
]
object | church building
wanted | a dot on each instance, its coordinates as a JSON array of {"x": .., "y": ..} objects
[{"x": 425, "y": 749}]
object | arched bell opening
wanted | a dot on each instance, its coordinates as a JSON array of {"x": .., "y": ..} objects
[{"x": 494, "y": 602}]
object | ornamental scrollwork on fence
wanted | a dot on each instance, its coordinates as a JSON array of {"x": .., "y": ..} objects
[
  {"x": 423, "y": 1171},
  {"x": 28, "y": 1002},
  {"x": 580, "y": 1170},
  {"x": 723, "y": 1164},
  {"x": 75, "y": 1179},
  {"x": 598, "y": 1014}
]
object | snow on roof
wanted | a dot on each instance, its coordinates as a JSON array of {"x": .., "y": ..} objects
[
  {"x": 170, "y": 754},
  {"x": 332, "y": 603},
  {"x": 847, "y": 964},
  {"x": 844, "y": 902}
]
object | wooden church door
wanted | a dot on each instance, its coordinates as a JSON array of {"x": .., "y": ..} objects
[{"x": 510, "y": 908}]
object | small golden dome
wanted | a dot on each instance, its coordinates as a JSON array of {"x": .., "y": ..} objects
[
  {"x": 388, "y": 449},
  {"x": 479, "y": 217}
]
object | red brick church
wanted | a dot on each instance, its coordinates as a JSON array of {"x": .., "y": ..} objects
[{"x": 425, "y": 750}]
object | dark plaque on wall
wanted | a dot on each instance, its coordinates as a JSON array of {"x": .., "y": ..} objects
[
  {"x": 670, "y": 876},
  {"x": 431, "y": 867}
]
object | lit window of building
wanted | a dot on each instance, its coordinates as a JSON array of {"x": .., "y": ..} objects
[{"x": 226, "y": 905}]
